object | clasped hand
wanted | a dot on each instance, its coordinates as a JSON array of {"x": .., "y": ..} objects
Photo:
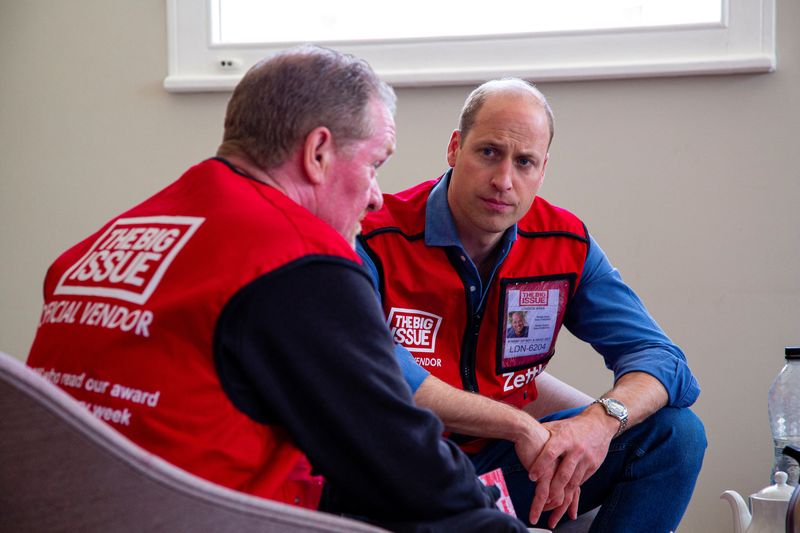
[{"x": 573, "y": 452}]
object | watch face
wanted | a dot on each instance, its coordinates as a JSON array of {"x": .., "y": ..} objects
[{"x": 615, "y": 408}]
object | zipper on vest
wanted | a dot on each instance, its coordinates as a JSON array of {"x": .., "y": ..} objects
[
  {"x": 468, "y": 349},
  {"x": 469, "y": 343}
]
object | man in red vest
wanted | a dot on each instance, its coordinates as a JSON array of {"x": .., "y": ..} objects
[
  {"x": 457, "y": 259},
  {"x": 182, "y": 321}
]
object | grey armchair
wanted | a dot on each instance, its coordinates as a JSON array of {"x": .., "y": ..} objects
[{"x": 61, "y": 469}]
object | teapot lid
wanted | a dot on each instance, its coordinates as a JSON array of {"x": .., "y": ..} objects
[{"x": 779, "y": 491}]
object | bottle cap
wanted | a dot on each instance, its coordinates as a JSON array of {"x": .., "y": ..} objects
[{"x": 792, "y": 352}]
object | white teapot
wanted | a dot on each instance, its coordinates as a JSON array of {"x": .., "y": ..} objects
[{"x": 769, "y": 508}]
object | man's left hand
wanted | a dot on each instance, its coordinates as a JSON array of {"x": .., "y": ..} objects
[{"x": 576, "y": 449}]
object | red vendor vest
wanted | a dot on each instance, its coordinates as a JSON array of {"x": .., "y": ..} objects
[
  {"x": 427, "y": 303},
  {"x": 129, "y": 318}
]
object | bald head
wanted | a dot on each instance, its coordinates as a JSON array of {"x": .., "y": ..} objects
[{"x": 505, "y": 86}]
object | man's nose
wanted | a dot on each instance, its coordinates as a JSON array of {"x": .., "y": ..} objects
[
  {"x": 375, "y": 197},
  {"x": 501, "y": 179}
]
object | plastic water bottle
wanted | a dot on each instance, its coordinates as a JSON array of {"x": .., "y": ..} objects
[{"x": 784, "y": 413}]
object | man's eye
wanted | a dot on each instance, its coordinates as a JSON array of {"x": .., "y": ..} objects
[
  {"x": 524, "y": 162},
  {"x": 488, "y": 152}
]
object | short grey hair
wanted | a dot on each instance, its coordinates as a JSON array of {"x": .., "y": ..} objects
[{"x": 281, "y": 99}]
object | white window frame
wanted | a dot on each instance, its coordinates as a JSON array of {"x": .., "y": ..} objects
[{"x": 744, "y": 41}]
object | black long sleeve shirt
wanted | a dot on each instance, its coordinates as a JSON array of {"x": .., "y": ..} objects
[{"x": 305, "y": 347}]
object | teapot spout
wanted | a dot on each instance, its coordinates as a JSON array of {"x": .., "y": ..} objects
[{"x": 741, "y": 516}]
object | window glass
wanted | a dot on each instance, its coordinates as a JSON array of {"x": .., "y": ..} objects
[{"x": 257, "y": 22}]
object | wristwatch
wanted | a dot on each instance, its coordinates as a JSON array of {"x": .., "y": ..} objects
[{"x": 616, "y": 409}]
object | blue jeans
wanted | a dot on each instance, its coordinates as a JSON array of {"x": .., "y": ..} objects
[{"x": 644, "y": 484}]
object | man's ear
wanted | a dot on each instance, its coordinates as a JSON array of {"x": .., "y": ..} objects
[
  {"x": 453, "y": 147},
  {"x": 318, "y": 152}
]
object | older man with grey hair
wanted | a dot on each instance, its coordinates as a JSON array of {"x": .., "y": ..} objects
[{"x": 198, "y": 299}]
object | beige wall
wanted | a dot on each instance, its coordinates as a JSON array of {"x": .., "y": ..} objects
[{"x": 690, "y": 184}]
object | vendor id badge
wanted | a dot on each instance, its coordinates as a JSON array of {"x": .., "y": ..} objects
[{"x": 531, "y": 314}]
